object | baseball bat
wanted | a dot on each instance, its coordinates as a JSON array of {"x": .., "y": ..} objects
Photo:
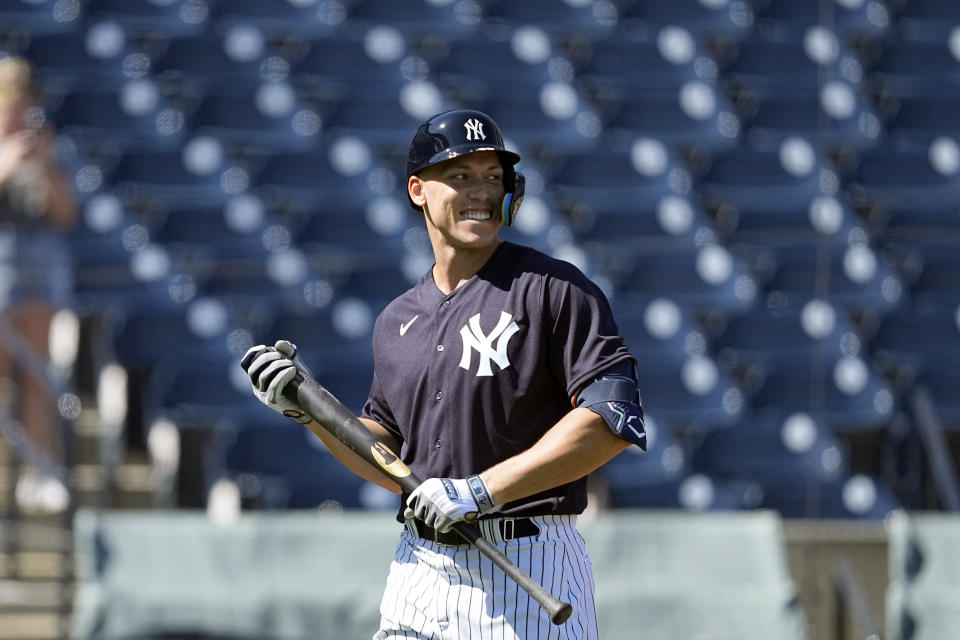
[{"x": 332, "y": 415}]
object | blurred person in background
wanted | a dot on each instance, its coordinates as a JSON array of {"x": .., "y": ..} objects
[{"x": 37, "y": 207}]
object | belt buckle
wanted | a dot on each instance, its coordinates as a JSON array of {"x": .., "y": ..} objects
[{"x": 508, "y": 529}]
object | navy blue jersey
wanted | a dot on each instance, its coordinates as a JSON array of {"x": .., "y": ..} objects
[{"x": 468, "y": 379}]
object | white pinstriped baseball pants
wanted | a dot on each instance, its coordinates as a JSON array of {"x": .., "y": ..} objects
[{"x": 442, "y": 592}]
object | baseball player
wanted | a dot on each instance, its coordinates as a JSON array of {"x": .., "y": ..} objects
[{"x": 501, "y": 378}]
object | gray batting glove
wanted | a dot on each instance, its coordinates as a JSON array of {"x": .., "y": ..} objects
[
  {"x": 442, "y": 502},
  {"x": 271, "y": 369}
]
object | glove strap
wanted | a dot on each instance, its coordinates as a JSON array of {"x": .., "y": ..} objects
[{"x": 481, "y": 493}]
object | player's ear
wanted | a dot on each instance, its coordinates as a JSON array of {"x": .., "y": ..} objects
[{"x": 415, "y": 191}]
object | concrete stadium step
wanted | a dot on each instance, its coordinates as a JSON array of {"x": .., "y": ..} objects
[{"x": 32, "y": 626}]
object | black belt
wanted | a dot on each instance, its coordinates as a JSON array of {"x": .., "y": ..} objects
[{"x": 510, "y": 529}]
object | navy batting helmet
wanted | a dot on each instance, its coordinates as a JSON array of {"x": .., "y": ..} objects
[{"x": 459, "y": 132}]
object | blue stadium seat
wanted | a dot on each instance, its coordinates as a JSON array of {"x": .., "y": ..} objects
[
  {"x": 145, "y": 18},
  {"x": 916, "y": 68},
  {"x": 770, "y": 450},
  {"x": 515, "y": 58},
  {"x": 834, "y": 118},
  {"x": 204, "y": 394},
  {"x": 636, "y": 176},
  {"x": 281, "y": 18},
  {"x": 98, "y": 58},
  {"x": 811, "y": 360},
  {"x": 728, "y": 20},
  {"x": 706, "y": 278},
  {"x": 784, "y": 178},
  {"x": 115, "y": 267},
  {"x": 206, "y": 63},
  {"x": 420, "y": 19},
  {"x": 916, "y": 122},
  {"x": 331, "y": 175},
  {"x": 261, "y": 117},
  {"x": 925, "y": 20},
  {"x": 895, "y": 178},
  {"x": 135, "y": 117},
  {"x": 919, "y": 345},
  {"x": 335, "y": 344},
  {"x": 869, "y": 20},
  {"x": 371, "y": 230},
  {"x": 624, "y": 65},
  {"x": 560, "y": 20},
  {"x": 31, "y": 18},
  {"x": 857, "y": 497},
  {"x": 662, "y": 477},
  {"x": 192, "y": 176},
  {"x": 341, "y": 65},
  {"x": 698, "y": 118},
  {"x": 766, "y": 67}
]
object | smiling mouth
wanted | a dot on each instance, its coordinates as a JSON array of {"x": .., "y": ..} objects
[{"x": 477, "y": 214}]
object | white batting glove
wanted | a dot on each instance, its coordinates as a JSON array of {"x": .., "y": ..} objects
[
  {"x": 270, "y": 372},
  {"x": 442, "y": 502}
]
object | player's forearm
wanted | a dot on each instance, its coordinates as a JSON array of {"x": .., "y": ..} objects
[
  {"x": 577, "y": 445},
  {"x": 354, "y": 462}
]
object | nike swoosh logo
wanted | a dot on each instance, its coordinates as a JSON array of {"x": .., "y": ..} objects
[{"x": 406, "y": 325}]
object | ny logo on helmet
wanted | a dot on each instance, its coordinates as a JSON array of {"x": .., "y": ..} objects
[
  {"x": 474, "y": 338},
  {"x": 474, "y": 129}
]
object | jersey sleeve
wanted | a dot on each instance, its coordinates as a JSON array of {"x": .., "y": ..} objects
[
  {"x": 585, "y": 339},
  {"x": 376, "y": 409}
]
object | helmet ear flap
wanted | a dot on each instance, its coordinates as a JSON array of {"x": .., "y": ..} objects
[{"x": 512, "y": 199}]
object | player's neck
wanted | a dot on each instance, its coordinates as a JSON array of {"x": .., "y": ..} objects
[{"x": 454, "y": 267}]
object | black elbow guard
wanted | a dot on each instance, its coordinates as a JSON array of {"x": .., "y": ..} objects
[{"x": 616, "y": 399}]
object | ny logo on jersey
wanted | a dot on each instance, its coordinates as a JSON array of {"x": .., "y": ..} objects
[
  {"x": 474, "y": 338},
  {"x": 474, "y": 129}
]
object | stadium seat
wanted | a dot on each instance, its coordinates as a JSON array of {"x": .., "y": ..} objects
[
  {"x": 335, "y": 343},
  {"x": 918, "y": 346},
  {"x": 330, "y": 175},
  {"x": 768, "y": 451},
  {"x": 698, "y": 278},
  {"x": 925, "y": 20},
  {"x": 278, "y": 464},
  {"x": 346, "y": 64},
  {"x": 99, "y": 57},
  {"x": 623, "y": 65},
  {"x": 519, "y": 56},
  {"x": 634, "y": 176},
  {"x": 697, "y": 119},
  {"x": 560, "y": 20},
  {"x": 146, "y": 18},
  {"x": 261, "y": 117},
  {"x": 31, "y": 18},
  {"x": 420, "y": 20},
  {"x": 917, "y": 122},
  {"x": 895, "y": 178},
  {"x": 205, "y": 64},
  {"x": 708, "y": 20},
  {"x": 195, "y": 175},
  {"x": 281, "y": 18},
  {"x": 810, "y": 360},
  {"x": 915, "y": 68},
  {"x": 786, "y": 177},
  {"x": 136, "y": 116},
  {"x": 868, "y": 20}
]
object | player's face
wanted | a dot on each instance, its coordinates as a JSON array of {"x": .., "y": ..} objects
[{"x": 461, "y": 197}]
